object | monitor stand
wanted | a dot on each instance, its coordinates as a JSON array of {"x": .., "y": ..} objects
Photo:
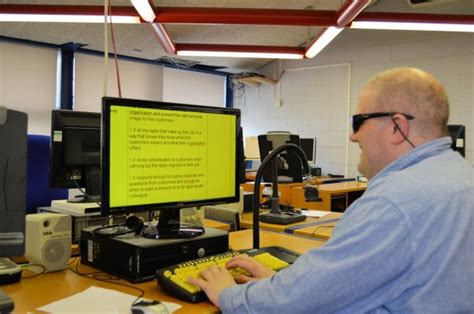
[{"x": 170, "y": 227}]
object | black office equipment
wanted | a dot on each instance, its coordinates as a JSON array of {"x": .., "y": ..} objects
[
  {"x": 136, "y": 258},
  {"x": 287, "y": 163},
  {"x": 13, "y": 154},
  {"x": 458, "y": 135},
  {"x": 75, "y": 152}
]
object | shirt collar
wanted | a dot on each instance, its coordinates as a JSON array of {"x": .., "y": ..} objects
[{"x": 421, "y": 152}]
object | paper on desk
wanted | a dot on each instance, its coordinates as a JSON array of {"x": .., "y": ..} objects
[
  {"x": 97, "y": 300},
  {"x": 315, "y": 213}
]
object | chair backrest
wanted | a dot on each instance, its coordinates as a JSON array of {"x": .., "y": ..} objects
[
  {"x": 223, "y": 214},
  {"x": 38, "y": 193}
]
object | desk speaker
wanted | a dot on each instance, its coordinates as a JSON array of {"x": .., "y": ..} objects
[{"x": 48, "y": 240}]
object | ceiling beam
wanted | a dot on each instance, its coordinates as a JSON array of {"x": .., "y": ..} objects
[{"x": 245, "y": 16}]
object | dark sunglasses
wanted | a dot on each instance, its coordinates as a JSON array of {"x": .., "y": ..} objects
[{"x": 358, "y": 119}]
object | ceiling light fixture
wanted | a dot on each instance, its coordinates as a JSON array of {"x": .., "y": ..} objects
[
  {"x": 414, "y": 21},
  {"x": 322, "y": 40},
  {"x": 439, "y": 27},
  {"x": 237, "y": 51},
  {"x": 145, "y": 10},
  {"x": 65, "y": 18}
]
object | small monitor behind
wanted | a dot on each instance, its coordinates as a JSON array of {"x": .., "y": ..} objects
[
  {"x": 458, "y": 135},
  {"x": 13, "y": 143},
  {"x": 308, "y": 145},
  {"x": 75, "y": 152},
  {"x": 289, "y": 164}
]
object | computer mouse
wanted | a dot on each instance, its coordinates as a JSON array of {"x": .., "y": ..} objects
[{"x": 149, "y": 307}]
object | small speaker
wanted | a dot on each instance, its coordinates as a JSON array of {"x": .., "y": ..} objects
[{"x": 48, "y": 240}]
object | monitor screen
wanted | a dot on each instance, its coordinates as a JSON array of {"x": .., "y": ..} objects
[
  {"x": 75, "y": 152},
  {"x": 308, "y": 145},
  {"x": 165, "y": 156},
  {"x": 13, "y": 151}
]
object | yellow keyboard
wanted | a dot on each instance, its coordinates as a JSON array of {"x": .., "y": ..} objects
[{"x": 175, "y": 278}]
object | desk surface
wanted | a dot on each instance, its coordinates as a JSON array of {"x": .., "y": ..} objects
[
  {"x": 342, "y": 187},
  {"x": 29, "y": 294},
  {"x": 246, "y": 222},
  {"x": 322, "y": 232}
]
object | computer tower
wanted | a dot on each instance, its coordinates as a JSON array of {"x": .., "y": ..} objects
[{"x": 135, "y": 258}]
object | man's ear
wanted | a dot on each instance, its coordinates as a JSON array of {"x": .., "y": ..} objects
[{"x": 401, "y": 129}]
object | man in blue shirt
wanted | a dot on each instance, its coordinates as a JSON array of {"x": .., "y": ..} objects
[{"x": 407, "y": 245}]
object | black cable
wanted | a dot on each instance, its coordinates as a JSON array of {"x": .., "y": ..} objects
[
  {"x": 101, "y": 276},
  {"x": 399, "y": 130},
  {"x": 85, "y": 194},
  {"x": 326, "y": 226}
]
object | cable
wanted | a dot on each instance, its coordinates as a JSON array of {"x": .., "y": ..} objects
[
  {"x": 117, "y": 71},
  {"x": 399, "y": 130},
  {"x": 85, "y": 193},
  {"x": 43, "y": 270},
  {"x": 325, "y": 226},
  {"x": 101, "y": 276},
  {"x": 106, "y": 46}
]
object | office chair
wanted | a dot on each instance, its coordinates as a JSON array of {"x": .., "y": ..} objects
[{"x": 38, "y": 193}]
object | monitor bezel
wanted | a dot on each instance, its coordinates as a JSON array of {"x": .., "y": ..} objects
[
  {"x": 105, "y": 155},
  {"x": 313, "y": 148}
]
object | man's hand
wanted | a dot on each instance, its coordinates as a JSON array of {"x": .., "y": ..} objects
[
  {"x": 256, "y": 269},
  {"x": 213, "y": 280}
]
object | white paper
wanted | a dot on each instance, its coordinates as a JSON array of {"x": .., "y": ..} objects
[
  {"x": 97, "y": 300},
  {"x": 315, "y": 213}
]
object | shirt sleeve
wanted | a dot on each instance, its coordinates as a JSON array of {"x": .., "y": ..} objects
[{"x": 357, "y": 269}]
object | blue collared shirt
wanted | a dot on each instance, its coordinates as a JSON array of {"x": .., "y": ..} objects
[{"x": 406, "y": 245}]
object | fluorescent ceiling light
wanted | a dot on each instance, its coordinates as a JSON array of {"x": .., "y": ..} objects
[
  {"x": 144, "y": 9},
  {"x": 67, "y": 18},
  {"x": 237, "y": 54},
  {"x": 410, "y": 26},
  {"x": 322, "y": 41}
]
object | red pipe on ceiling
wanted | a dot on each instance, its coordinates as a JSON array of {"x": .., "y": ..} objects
[{"x": 244, "y": 16}]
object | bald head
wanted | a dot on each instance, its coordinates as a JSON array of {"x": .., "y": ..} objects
[{"x": 415, "y": 92}]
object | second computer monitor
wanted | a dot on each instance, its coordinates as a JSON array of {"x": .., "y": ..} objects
[
  {"x": 308, "y": 145},
  {"x": 288, "y": 163}
]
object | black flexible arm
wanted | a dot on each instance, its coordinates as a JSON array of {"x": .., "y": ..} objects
[{"x": 258, "y": 180}]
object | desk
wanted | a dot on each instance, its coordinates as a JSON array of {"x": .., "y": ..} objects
[
  {"x": 216, "y": 224},
  {"x": 321, "y": 232},
  {"x": 335, "y": 196},
  {"x": 283, "y": 188},
  {"x": 30, "y": 294},
  {"x": 246, "y": 221}
]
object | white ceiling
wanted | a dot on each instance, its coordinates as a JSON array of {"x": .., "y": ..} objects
[{"x": 138, "y": 41}]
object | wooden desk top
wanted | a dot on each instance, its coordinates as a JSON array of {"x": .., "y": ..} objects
[
  {"x": 246, "y": 222},
  {"x": 342, "y": 187},
  {"x": 322, "y": 232},
  {"x": 29, "y": 294},
  {"x": 216, "y": 224}
]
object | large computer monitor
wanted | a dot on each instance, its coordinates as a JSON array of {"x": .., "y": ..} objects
[
  {"x": 308, "y": 145},
  {"x": 75, "y": 152},
  {"x": 165, "y": 156},
  {"x": 458, "y": 135}
]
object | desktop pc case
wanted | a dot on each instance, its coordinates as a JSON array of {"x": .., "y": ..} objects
[{"x": 136, "y": 258}]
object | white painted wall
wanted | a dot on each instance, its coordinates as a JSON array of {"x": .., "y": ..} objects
[
  {"x": 194, "y": 88},
  {"x": 28, "y": 83},
  {"x": 448, "y": 56},
  {"x": 138, "y": 80}
]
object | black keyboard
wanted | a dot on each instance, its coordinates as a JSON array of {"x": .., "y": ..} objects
[{"x": 175, "y": 278}]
